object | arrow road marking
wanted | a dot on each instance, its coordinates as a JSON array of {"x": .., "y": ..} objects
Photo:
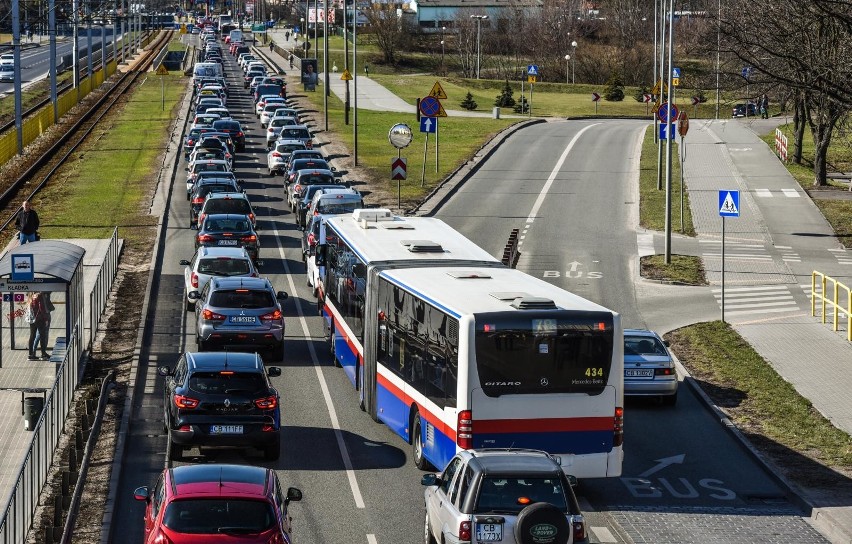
[
  {"x": 574, "y": 265},
  {"x": 663, "y": 463}
]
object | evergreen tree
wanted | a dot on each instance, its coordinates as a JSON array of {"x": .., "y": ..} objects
[
  {"x": 640, "y": 94},
  {"x": 505, "y": 98},
  {"x": 523, "y": 106},
  {"x": 614, "y": 88},
  {"x": 468, "y": 103}
]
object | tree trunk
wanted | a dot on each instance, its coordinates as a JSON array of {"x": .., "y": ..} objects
[
  {"x": 799, "y": 124},
  {"x": 822, "y": 139}
]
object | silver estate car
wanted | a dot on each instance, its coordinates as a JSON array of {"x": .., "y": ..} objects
[
  {"x": 239, "y": 314},
  {"x": 649, "y": 369},
  {"x": 210, "y": 262}
]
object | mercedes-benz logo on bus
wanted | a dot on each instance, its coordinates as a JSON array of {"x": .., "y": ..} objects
[{"x": 544, "y": 382}]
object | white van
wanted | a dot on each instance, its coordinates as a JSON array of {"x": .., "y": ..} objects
[
  {"x": 236, "y": 36},
  {"x": 207, "y": 69}
]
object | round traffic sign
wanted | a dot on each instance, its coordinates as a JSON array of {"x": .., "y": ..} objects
[
  {"x": 429, "y": 106},
  {"x": 400, "y": 135},
  {"x": 667, "y": 112}
]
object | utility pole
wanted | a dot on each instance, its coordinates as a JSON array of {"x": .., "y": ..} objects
[
  {"x": 662, "y": 79},
  {"x": 326, "y": 80},
  {"x": 669, "y": 138},
  {"x": 346, "y": 63},
  {"x": 51, "y": 18},
  {"x": 355, "y": 81},
  {"x": 16, "y": 51},
  {"x": 718, "y": 53}
]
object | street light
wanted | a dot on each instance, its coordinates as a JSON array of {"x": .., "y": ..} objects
[
  {"x": 443, "y": 29},
  {"x": 574, "y": 49},
  {"x": 567, "y": 58},
  {"x": 479, "y": 19},
  {"x": 304, "y": 30}
]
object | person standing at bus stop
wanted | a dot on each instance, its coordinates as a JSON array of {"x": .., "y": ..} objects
[
  {"x": 38, "y": 318},
  {"x": 27, "y": 223}
]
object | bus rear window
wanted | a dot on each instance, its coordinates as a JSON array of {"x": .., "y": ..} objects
[{"x": 544, "y": 352}]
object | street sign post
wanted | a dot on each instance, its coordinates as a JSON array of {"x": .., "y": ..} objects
[
  {"x": 667, "y": 112},
  {"x": 428, "y": 125},
  {"x": 682, "y": 129},
  {"x": 596, "y": 98},
  {"x": 431, "y": 107},
  {"x": 400, "y": 137},
  {"x": 438, "y": 91},
  {"x": 666, "y": 130},
  {"x": 729, "y": 206},
  {"x": 399, "y": 168}
]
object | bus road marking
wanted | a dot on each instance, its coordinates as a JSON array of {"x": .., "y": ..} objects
[{"x": 335, "y": 424}]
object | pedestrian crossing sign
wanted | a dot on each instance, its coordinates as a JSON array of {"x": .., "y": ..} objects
[{"x": 729, "y": 203}]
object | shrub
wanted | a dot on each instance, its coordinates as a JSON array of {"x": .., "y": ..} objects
[
  {"x": 505, "y": 98},
  {"x": 640, "y": 94},
  {"x": 468, "y": 103},
  {"x": 523, "y": 106},
  {"x": 614, "y": 88}
]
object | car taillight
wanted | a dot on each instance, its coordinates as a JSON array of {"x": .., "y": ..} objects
[
  {"x": 578, "y": 526},
  {"x": 464, "y": 430},
  {"x": 250, "y": 238},
  {"x": 273, "y": 316},
  {"x": 193, "y": 280},
  {"x": 266, "y": 403},
  {"x": 270, "y": 129},
  {"x": 198, "y": 200},
  {"x": 276, "y": 154},
  {"x": 190, "y": 142},
  {"x": 185, "y": 402},
  {"x": 209, "y": 315},
  {"x": 312, "y": 240},
  {"x": 204, "y": 238},
  {"x": 297, "y": 188},
  {"x": 663, "y": 371},
  {"x": 240, "y": 135},
  {"x": 618, "y": 427},
  {"x": 464, "y": 531}
]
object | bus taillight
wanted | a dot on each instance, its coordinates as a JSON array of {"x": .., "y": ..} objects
[
  {"x": 618, "y": 427},
  {"x": 464, "y": 430}
]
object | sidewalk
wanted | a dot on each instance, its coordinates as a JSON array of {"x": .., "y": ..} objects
[{"x": 774, "y": 245}]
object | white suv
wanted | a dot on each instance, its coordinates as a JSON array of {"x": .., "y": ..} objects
[{"x": 514, "y": 496}]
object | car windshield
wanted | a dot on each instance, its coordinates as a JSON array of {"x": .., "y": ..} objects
[
  {"x": 295, "y": 133},
  {"x": 226, "y": 224},
  {"x": 205, "y": 190},
  {"x": 314, "y": 178},
  {"x": 511, "y": 495},
  {"x": 217, "y": 516},
  {"x": 208, "y": 167},
  {"x": 283, "y": 121},
  {"x": 643, "y": 345},
  {"x": 335, "y": 208},
  {"x": 228, "y": 205},
  {"x": 224, "y": 266},
  {"x": 242, "y": 298},
  {"x": 226, "y": 125}
]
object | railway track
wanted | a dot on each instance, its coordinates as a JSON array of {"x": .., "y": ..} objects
[{"x": 51, "y": 160}]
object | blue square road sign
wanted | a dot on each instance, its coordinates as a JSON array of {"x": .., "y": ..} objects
[
  {"x": 666, "y": 131},
  {"x": 675, "y": 72},
  {"x": 532, "y": 69},
  {"x": 429, "y": 124},
  {"x": 729, "y": 203}
]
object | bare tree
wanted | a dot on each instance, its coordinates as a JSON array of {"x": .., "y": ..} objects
[
  {"x": 465, "y": 29},
  {"x": 387, "y": 29}
]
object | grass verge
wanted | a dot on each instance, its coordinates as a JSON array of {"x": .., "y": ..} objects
[
  {"x": 111, "y": 181},
  {"x": 652, "y": 203},
  {"x": 759, "y": 402},
  {"x": 684, "y": 269}
]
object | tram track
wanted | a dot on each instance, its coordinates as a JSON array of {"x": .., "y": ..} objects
[{"x": 51, "y": 159}]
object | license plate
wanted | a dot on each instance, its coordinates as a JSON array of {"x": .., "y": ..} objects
[
  {"x": 226, "y": 429},
  {"x": 639, "y": 373},
  {"x": 242, "y": 319},
  {"x": 228, "y": 242},
  {"x": 489, "y": 532}
]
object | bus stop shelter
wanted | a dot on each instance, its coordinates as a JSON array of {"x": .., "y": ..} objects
[{"x": 55, "y": 269}]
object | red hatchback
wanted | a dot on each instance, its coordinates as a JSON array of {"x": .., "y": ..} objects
[{"x": 198, "y": 504}]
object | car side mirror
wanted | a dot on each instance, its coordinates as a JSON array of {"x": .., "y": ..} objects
[
  {"x": 273, "y": 371},
  {"x": 141, "y": 494},
  {"x": 258, "y": 263},
  {"x": 333, "y": 169},
  {"x": 193, "y": 295},
  {"x": 572, "y": 480},
  {"x": 164, "y": 371},
  {"x": 666, "y": 343},
  {"x": 294, "y": 494},
  {"x": 430, "y": 480},
  {"x": 281, "y": 295},
  {"x": 320, "y": 255},
  {"x": 184, "y": 262}
]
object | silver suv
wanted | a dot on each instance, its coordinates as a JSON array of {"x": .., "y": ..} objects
[
  {"x": 239, "y": 313},
  {"x": 514, "y": 496}
]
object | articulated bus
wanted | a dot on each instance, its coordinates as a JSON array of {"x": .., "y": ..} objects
[{"x": 453, "y": 350}]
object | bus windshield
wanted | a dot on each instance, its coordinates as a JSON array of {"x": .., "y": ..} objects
[{"x": 543, "y": 352}]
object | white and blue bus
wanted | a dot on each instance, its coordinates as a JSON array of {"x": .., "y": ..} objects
[{"x": 463, "y": 352}]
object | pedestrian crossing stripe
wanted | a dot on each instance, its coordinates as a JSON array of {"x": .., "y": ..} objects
[{"x": 729, "y": 207}]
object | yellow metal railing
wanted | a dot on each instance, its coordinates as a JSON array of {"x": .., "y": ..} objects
[{"x": 840, "y": 300}]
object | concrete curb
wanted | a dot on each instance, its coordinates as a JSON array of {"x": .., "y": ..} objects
[
  {"x": 124, "y": 429},
  {"x": 456, "y": 179}
]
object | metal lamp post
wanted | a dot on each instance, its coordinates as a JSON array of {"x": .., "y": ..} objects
[
  {"x": 567, "y": 58},
  {"x": 443, "y": 29},
  {"x": 574, "y": 49},
  {"x": 479, "y": 19},
  {"x": 304, "y": 30}
]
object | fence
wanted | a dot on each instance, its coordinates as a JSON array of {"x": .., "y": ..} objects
[
  {"x": 781, "y": 144},
  {"x": 103, "y": 285},
  {"x": 840, "y": 294},
  {"x": 19, "y": 513}
]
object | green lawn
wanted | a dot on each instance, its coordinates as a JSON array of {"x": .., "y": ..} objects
[{"x": 652, "y": 202}]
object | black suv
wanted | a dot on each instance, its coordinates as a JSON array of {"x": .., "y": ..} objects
[{"x": 221, "y": 399}]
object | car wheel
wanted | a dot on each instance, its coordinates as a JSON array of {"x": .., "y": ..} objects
[
  {"x": 669, "y": 400},
  {"x": 545, "y": 515},
  {"x": 428, "y": 537},
  {"x": 417, "y": 446},
  {"x": 189, "y": 305},
  {"x": 272, "y": 452}
]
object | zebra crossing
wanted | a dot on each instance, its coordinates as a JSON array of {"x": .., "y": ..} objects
[
  {"x": 757, "y": 299},
  {"x": 843, "y": 257},
  {"x": 766, "y": 193}
]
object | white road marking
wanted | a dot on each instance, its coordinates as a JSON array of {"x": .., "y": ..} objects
[
  {"x": 603, "y": 534},
  {"x": 645, "y": 243},
  {"x": 729, "y": 290},
  {"x": 792, "y": 193},
  {"x": 335, "y": 424},
  {"x": 371, "y": 539},
  {"x": 540, "y": 200},
  {"x": 763, "y": 193}
]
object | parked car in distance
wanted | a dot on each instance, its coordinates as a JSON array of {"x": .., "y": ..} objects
[
  {"x": 221, "y": 399},
  {"x": 213, "y": 503},
  {"x": 209, "y": 262},
  {"x": 502, "y": 495},
  {"x": 649, "y": 368},
  {"x": 739, "y": 110},
  {"x": 240, "y": 313},
  {"x": 228, "y": 230}
]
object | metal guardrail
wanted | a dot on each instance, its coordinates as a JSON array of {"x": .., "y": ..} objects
[
  {"x": 32, "y": 476},
  {"x": 835, "y": 300},
  {"x": 103, "y": 286}
]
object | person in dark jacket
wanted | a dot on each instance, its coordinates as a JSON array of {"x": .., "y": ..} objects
[{"x": 27, "y": 223}]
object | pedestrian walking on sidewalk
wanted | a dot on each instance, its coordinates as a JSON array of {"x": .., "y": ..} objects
[
  {"x": 287, "y": 35},
  {"x": 27, "y": 223},
  {"x": 764, "y": 106},
  {"x": 290, "y": 58},
  {"x": 366, "y": 70},
  {"x": 38, "y": 318}
]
